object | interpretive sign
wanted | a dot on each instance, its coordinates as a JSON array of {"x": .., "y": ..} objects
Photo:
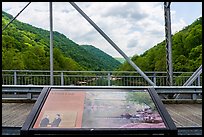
[{"x": 99, "y": 110}]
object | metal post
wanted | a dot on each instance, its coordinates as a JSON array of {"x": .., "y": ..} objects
[
  {"x": 15, "y": 78},
  {"x": 51, "y": 46},
  {"x": 62, "y": 79},
  {"x": 113, "y": 44},
  {"x": 109, "y": 79},
  {"x": 29, "y": 95},
  {"x": 194, "y": 96},
  {"x": 154, "y": 78},
  {"x": 169, "y": 65},
  {"x": 199, "y": 80}
]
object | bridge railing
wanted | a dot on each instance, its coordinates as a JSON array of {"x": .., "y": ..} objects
[
  {"x": 92, "y": 78},
  {"x": 31, "y": 92}
]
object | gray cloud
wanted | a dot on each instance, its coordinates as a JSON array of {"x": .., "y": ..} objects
[
  {"x": 88, "y": 36},
  {"x": 156, "y": 32},
  {"x": 65, "y": 10},
  {"x": 132, "y": 43},
  {"x": 128, "y": 10}
]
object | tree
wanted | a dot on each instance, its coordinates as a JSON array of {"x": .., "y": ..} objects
[{"x": 11, "y": 59}]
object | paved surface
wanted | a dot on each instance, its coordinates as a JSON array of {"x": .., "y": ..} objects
[
  {"x": 186, "y": 115},
  {"x": 15, "y": 114}
]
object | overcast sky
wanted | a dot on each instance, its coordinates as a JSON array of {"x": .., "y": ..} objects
[{"x": 134, "y": 26}]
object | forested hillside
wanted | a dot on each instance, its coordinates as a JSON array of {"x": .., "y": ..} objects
[
  {"x": 27, "y": 47},
  {"x": 120, "y": 59},
  {"x": 106, "y": 61},
  {"x": 186, "y": 52}
]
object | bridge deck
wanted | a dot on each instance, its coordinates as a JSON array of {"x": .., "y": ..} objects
[
  {"x": 15, "y": 114},
  {"x": 184, "y": 115}
]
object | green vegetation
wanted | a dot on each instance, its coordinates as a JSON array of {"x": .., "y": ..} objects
[
  {"x": 27, "y": 47},
  {"x": 105, "y": 61},
  {"x": 141, "y": 98},
  {"x": 186, "y": 52},
  {"x": 121, "y": 60}
]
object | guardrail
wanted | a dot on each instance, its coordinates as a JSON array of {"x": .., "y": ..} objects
[
  {"x": 31, "y": 92},
  {"x": 92, "y": 78},
  {"x": 21, "y": 92}
]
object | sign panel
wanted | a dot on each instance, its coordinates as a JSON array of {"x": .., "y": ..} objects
[{"x": 94, "y": 109}]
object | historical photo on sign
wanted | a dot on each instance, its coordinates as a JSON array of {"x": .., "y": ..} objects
[
  {"x": 60, "y": 119},
  {"x": 120, "y": 110}
]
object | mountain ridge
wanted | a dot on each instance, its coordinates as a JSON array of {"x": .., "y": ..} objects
[
  {"x": 186, "y": 52},
  {"x": 22, "y": 38}
]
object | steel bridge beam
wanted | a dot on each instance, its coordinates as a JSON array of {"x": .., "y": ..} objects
[
  {"x": 113, "y": 44},
  {"x": 194, "y": 76},
  {"x": 15, "y": 17},
  {"x": 51, "y": 45},
  {"x": 169, "y": 65},
  {"x": 190, "y": 81}
]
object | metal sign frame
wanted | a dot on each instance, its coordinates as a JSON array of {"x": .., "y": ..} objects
[{"x": 28, "y": 129}]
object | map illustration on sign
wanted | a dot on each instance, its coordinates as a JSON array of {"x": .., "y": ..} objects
[{"x": 94, "y": 109}]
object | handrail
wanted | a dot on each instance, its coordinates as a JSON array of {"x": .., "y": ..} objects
[
  {"x": 92, "y": 78},
  {"x": 90, "y": 71},
  {"x": 159, "y": 89}
]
